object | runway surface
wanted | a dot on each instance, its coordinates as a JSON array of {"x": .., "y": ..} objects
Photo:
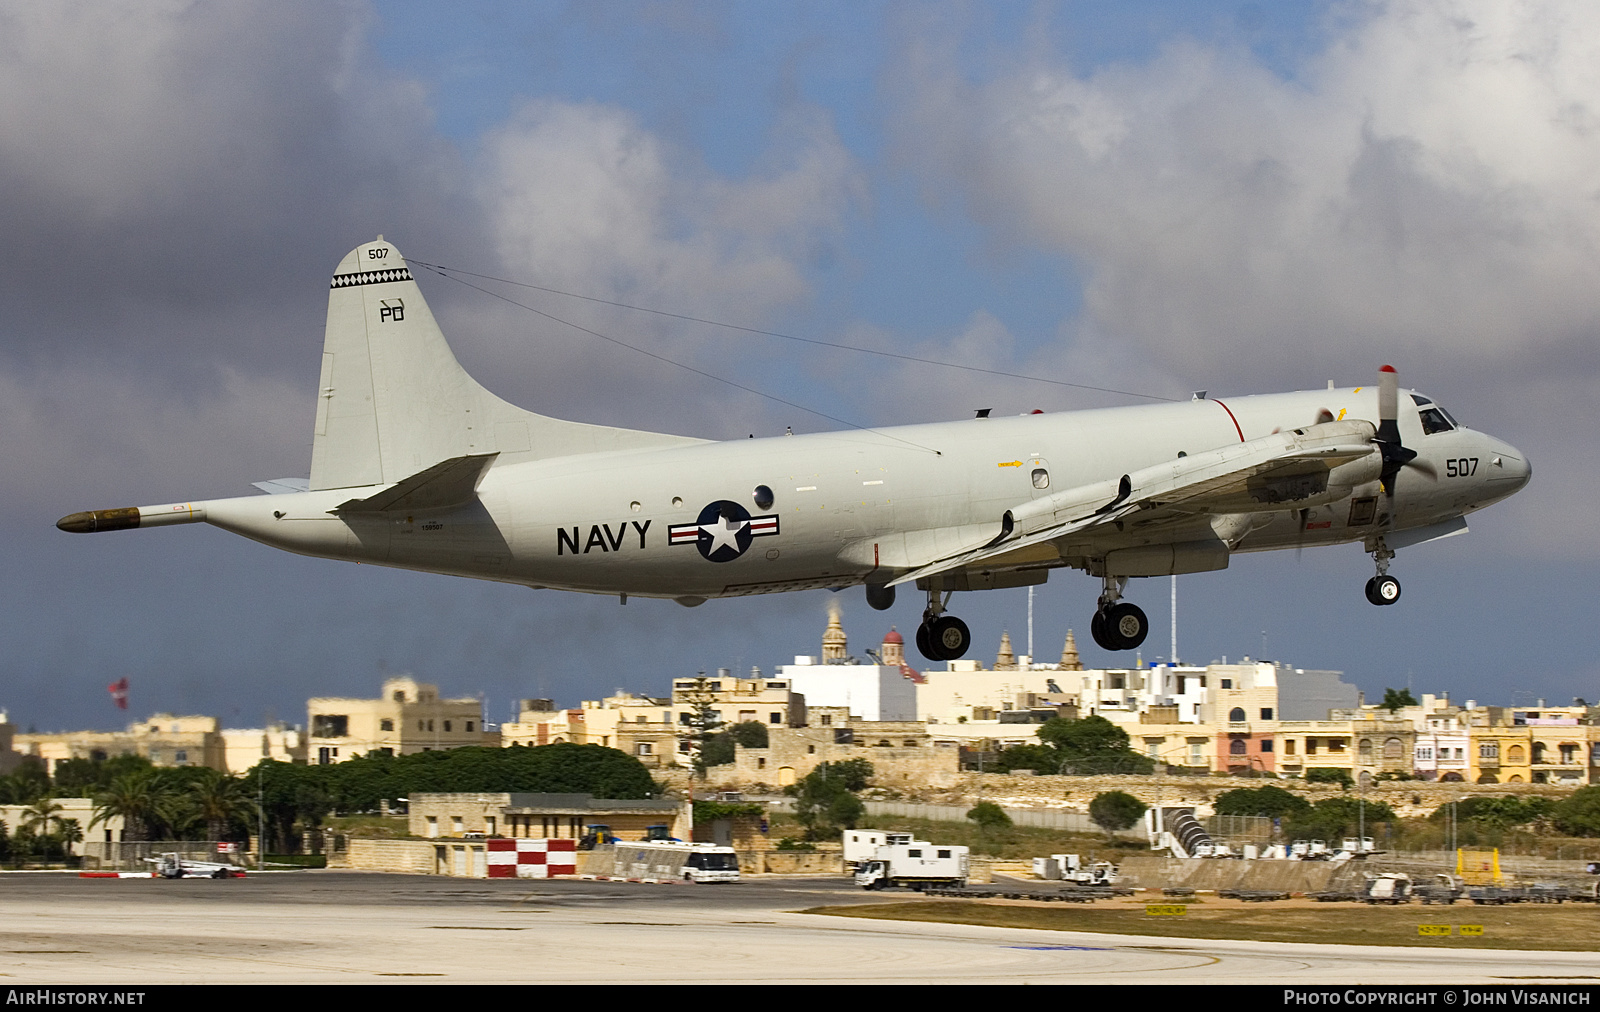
[{"x": 368, "y": 928}]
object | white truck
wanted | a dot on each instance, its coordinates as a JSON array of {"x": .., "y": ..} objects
[
  {"x": 913, "y": 863},
  {"x": 1070, "y": 868},
  {"x": 861, "y": 845},
  {"x": 672, "y": 860}
]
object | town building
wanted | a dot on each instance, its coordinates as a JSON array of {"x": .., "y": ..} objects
[
  {"x": 545, "y": 816},
  {"x": 902, "y": 752},
  {"x": 244, "y": 747},
  {"x": 164, "y": 739},
  {"x": 407, "y": 717},
  {"x": 886, "y": 689}
]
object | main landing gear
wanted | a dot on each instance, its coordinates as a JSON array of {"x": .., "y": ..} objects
[
  {"x": 1118, "y": 624},
  {"x": 1383, "y": 588},
  {"x": 942, "y": 637}
]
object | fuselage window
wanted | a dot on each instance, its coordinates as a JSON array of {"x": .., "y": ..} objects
[{"x": 1041, "y": 478}]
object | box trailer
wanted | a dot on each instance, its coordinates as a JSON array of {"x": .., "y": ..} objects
[
  {"x": 671, "y": 860},
  {"x": 916, "y": 864}
]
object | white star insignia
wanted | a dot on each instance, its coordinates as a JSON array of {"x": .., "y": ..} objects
[{"x": 724, "y": 533}]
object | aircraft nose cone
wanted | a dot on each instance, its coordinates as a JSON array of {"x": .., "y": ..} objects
[{"x": 1514, "y": 467}]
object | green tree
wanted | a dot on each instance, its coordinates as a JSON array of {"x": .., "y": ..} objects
[
  {"x": 989, "y": 816},
  {"x": 220, "y": 804},
  {"x": 824, "y": 802},
  {"x": 1333, "y": 819},
  {"x": 1578, "y": 814},
  {"x": 25, "y": 784},
  {"x": 1495, "y": 813},
  {"x": 140, "y": 798},
  {"x": 1330, "y": 776},
  {"x": 1039, "y": 758},
  {"x": 719, "y": 750},
  {"x": 1269, "y": 801},
  {"x": 1394, "y": 699},
  {"x": 1113, "y": 811},
  {"x": 1092, "y": 745},
  {"x": 703, "y": 720}
]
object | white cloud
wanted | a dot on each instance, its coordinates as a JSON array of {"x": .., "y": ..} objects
[{"x": 1425, "y": 192}]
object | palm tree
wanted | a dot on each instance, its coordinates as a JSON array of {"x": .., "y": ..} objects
[
  {"x": 138, "y": 798},
  {"x": 219, "y": 801},
  {"x": 43, "y": 817}
]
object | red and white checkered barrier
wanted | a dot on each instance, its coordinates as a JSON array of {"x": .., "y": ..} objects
[{"x": 531, "y": 858}]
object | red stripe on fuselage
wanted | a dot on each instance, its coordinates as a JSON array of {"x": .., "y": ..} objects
[{"x": 1232, "y": 419}]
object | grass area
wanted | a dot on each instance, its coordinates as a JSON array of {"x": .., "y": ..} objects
[
  {"x": 386, "y": 827},
  {"x": 1019, "y": 843},
  {"x": 1559, "y": 928}
]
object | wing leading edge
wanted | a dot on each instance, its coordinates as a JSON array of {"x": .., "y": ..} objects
[{"x": 1283, "y": 471}]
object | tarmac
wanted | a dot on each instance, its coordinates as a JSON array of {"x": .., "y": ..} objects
[{"x": 353, "y": 927}]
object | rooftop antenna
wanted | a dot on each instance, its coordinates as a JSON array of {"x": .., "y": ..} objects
[
  {"x": 1030, "y": 624},
  {"x": 1174, "y": 652}
]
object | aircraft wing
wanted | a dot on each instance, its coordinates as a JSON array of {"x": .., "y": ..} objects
[
  {"x": 1277, "y": 472},
  {"x": 447, "y": 483}
]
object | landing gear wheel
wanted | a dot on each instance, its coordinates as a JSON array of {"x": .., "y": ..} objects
[
  {"x": 924, "y": 644},
  {"x": 1097, "y": 629},
  {"x": 1383, "y": 590},
  {"x": 950, "y": 637},
  {"x": 1127, "y": 625}
]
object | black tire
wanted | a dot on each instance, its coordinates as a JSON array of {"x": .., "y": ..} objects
[
  {"x": 1385, "y": 590},
  {"x": 1127, "y": 625},
  {"x": 925, "y": 643},
  {"x": 1371, "y": 592},
  {"x": 950, "y": 637},
  {"x": 1097, "y": 630}
]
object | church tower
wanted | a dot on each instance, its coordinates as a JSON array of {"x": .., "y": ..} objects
[
  {"x": 1069, "y": 655},
  {"x": 835, "y": 649},
  {"x": 893, "y": 648},
  {"x": 1006, "y": 659}
]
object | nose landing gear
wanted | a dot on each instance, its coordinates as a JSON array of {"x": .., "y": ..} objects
[
  {"x": 1383, "y": 588},
  {"x": 1118, "y": 624},
  {"x": 942, "y": 637}
]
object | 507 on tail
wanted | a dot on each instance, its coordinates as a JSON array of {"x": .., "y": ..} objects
[{"x": 415, "y": 465}]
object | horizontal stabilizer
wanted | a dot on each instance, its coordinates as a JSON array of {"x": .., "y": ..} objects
[
  {"x": 283, "y": 486},
  {"x": 448, "y": 483}
]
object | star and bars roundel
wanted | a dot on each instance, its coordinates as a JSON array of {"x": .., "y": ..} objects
[{"x": 723, "y": 531}]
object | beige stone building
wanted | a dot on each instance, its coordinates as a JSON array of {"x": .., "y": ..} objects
[
  {"x": 10, "y": 758},
  {"x": 642, "y": 726},
  {"x": 407, "y": 717},
  {"x": 164, "y": 739},
  {"x": 902, "y": 752},
  {"x": 1534, "y": 745},
  {"x": 80, "y": 810},
  {"x": 244, "y": 747},
  {"x": 656, "y": 731},
  {"x": 544, "y": 816}
]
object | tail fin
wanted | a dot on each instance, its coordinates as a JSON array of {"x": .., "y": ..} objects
[{"x": 393, "y": 401}]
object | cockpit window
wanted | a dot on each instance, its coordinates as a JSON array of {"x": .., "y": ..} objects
[{"x": 1435, "y": 420}]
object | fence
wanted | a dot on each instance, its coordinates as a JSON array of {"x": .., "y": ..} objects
[{"x": 99, "y": 855}]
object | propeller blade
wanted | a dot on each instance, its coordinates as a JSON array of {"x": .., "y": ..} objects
[
  {"x": 1395, "y": 456},
  {"x": 1388, "y": 405}
]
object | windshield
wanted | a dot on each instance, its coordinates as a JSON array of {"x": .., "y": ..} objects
[
  {"x": 714, "y": 862},
  {"x": 1434, "y": 418}
]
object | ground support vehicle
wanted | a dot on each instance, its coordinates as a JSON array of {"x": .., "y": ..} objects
[
  {"x": 674, "y": 861},
  {"x": 916, "y": 864},
  {"x": 170, "y": 865}
]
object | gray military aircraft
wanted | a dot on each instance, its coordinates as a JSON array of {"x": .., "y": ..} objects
[{"x": 417, "y": 466}]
